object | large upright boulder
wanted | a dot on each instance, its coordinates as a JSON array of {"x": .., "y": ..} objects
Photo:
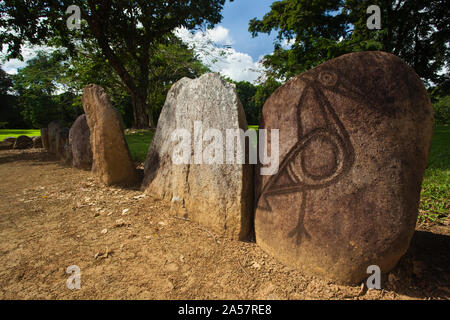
[
  {"x": 355, "y": 135},
  {"x": 53, "y": 128},
  {"x": 218, "y": 196},
  {"x": 80, "y": 144},
  {"x": 111, "y": 156},
  {"x": 23, "y": 142}
]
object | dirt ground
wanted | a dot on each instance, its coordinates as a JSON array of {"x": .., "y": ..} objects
[{"x": 128, "y": 246}]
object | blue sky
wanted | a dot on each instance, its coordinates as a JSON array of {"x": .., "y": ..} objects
[
  {"x": 236, "y": 16},
  {"x": 241, "y": 61}
]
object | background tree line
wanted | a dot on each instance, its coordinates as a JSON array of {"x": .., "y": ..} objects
[{"x": 129, "y": 48}]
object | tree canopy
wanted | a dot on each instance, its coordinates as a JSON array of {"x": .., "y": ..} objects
[
  {"x": 126, "y": 32},
  {"x": 311, "y": 32}
]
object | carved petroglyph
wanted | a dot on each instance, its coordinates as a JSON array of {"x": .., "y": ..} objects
[{"x": 322, "y": 155}]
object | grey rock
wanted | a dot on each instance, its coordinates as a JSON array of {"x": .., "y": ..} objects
[
  {"x": 80, "y": 144},
  {"x": 218, "y": 196}
]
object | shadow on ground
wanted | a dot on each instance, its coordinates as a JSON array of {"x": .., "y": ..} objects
[
  {"x": 424, "y": 272},
  {"x": 33, "y": 155}
]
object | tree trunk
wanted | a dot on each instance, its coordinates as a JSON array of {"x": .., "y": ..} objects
[{"x": 141, "y": 120}]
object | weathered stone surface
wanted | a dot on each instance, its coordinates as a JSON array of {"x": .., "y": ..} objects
[
  {"x": 218, "y": 196},
  {"x": 37, "y": 142},
  {"x": 111, "y": 156},
  {"x": 62, "y": 151},
  {"x": 7, "y": 143},
  {"x": 44, "y": 137},
  {"x": 53, "y": 128},
  {"x": 23, "y": 142},
  {"x": 79, "y": 142},
  {"x": 355, "y": 135}
]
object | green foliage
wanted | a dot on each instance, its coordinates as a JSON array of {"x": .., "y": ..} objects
[
  {"x": 435, "y": 196},
  {"x": 246, "y": 91},
  {"x": 138, "y": 142},
  {"x": 440, "y": 97},
  {"x": 264, "y": 91},
  {"x": 170, "y": 61},
  {"x": 253, "y": 97},
  {"x": 124, "y": 31},
  {"x": 415, "y": 30},
  {"x": 5, "y": 82},
  {"x": 37, "y": 92},
  {"x": 6, "y": 133}
]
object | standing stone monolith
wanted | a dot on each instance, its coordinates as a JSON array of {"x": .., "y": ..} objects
[
  {"x": 111, "y": 156},
  {"x": 80, "y": 144},
  {"x": 61, "y": 141},
  {"x": 53, "y": 128},
  {"x": 217, "y": 195},
  {"x": 44, "y": 137},
  {"x": 355, "y": 134}
]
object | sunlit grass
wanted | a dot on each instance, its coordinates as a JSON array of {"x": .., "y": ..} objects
[{"x": 6, "y": 133}]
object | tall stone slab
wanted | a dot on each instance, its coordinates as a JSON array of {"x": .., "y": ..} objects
[
  {"x": 80, "y": 144},
  {"x": 215, "y": 194},
  {"x": 53, "y": 128},
  {"x": 44, "y": 137},
  {"x": 111, "y": 156},
  {"x": 355, "y": 134}
]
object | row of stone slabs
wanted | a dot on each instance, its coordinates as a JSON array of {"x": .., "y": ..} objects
[{"x": 353, "y": 140}]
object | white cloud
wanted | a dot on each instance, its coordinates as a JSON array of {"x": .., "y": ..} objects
[
  {"x": 28, "y": 53},
  {"x": 287, "y": 44},
  {"x": 212, "y": 48},
  {"x": 220, "y": 35}
]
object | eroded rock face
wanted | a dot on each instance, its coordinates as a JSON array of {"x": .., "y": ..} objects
[
  {"x": 355, "y": 134},
  {"x": 7, "y": 143},
  {"x": 44, "y": 137},
  {"x": 53, "y": 128},
  {"x": 37, "y": 142},
  {"x": 111, "y": 156},
  {"x": 23, "y": 142},
  {"x": 61, "y": 149},
  {"x": 218, "y": 196},
  {"x": 80, "y": 144}
]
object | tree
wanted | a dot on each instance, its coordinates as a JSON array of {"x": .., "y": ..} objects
[
  {"x": 169, "y": 62},
  {"x": 415, "y": 30},
  {"x": 125, "y": 31},
  {"x": 253, "y": 97},
  {"x": 246, "y": 91},
  {"x": 5, "y": 82},
  {"x": 40, "y": 95}
]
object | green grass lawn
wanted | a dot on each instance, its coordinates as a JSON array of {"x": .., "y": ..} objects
[
  {"x": 138, "y": 143},
  {"x": 6, "y": 133},
  {"x": 435, "y": 197}
]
